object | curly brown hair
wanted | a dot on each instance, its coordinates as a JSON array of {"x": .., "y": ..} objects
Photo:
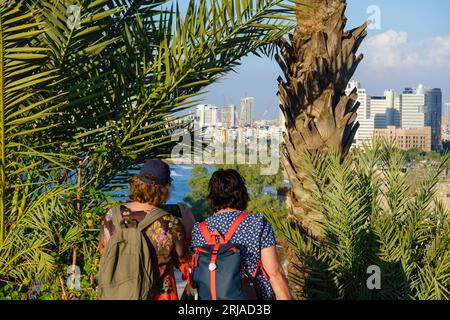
[
  {"x": 227, "y": 190},
  {"x": 154, "y": 194}
]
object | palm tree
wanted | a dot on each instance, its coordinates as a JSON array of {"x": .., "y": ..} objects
[
  {"x": 27, "y": 155},
  {"x": 317, "y": 64},
  {"x": 82, "y": 103},
  {"x": 375, "y": 218},
  {"x": 128, "y": 72}
]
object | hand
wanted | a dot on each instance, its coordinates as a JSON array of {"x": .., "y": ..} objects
[{"x": 187, "y": 218}]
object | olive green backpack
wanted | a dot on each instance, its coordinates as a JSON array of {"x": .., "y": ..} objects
[{"x": 129, "y": 266}]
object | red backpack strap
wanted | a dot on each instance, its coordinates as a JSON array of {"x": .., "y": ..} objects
[
  {"x": 205, "y": 232},
  {"x": 210, "y": 237},
  {"x": 235, "y": 225}
]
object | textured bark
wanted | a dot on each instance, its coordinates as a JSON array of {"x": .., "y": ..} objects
[{"x": 318, "y": 61}]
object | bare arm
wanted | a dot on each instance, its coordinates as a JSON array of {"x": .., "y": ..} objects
[{"x": 274, "y": 270}]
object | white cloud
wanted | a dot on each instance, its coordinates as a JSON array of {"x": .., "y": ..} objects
[
  {"x": 441, "y": 51},
  {"x": 392, "y": 52}
]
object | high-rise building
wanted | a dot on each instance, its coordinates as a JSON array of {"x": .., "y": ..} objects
[
  {"x": 206, "y": 116},
  {"x": 385, "y": 111},
  {"x": 394, "y": 108},
  {"x": 229, "y": 116},
  {"x": 378, "y": 111},
  {"x": 364, "y": 106},
  {"x": 413, "y": 108},
  {"x": 365, "y": 131},
  {"x": 446, "y": 122},
  {"x": 433, "y": 118},
  {"x": 247, "y": 111},
  {"x": 423, "y": 108}
]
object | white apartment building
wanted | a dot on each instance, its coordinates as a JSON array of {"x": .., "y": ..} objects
[
  {"x": 386, "y": 110},
  {"x": 229, "y": 116},
  {"x": 365, "y": 131},
  {"x": 206, "y": 116},
  {"x": 413, "y": 107},
  {"x": 247, "y": 111}
]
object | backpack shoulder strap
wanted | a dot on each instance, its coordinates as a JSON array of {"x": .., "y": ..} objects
[
  {"x": 210, "y": 237},
  {"x": 235, "y": 225},
  {"x": 204, "y": 230},
  {"x": 151, "y": 218},
  {"x": 116, "y": 216}
]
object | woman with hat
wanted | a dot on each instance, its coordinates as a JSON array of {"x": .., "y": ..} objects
[{"x": 169, "y": 235}]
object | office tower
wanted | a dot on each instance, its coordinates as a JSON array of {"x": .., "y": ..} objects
[
  {"x": 229, "y": 116},
  {"x": 378, "y": 110},
  {"x": 206, "y": 116},
  {"x": 393, "y": 109},
  {"x": 385, "y": 111},
  {"x": 247, "y": 111},
  {"x": 413, "y": 108},
  {"x": 365, "y": 131},
  {"x": 423, "y": 108},
  {"x": 433, "y": 118}
]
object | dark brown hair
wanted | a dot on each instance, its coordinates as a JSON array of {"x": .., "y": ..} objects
[
  {"x": 227, "y": 190},
  {"x": 154, "y": 194}
]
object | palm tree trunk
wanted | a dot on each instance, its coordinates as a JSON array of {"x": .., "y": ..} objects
[{"x": 318, "y": 61}]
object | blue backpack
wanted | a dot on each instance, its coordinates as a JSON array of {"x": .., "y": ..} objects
[{"x": 217, "y": 269}]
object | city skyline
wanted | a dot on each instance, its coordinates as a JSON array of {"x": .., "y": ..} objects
[
  {"x": 401, "y": 53},
  {"x": 411, "y": 111},
  {"x": 413, "y": 118}
]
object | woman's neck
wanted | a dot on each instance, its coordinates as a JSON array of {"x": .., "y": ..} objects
[
  {"x": 226, "y": 210},
  {"x": 139, "y": 206}
]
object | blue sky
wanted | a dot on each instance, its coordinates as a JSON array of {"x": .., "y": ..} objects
[{"x": 411, "y": 47}]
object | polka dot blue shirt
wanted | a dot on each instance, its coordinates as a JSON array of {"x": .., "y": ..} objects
[{"x": 253, "y": 235}]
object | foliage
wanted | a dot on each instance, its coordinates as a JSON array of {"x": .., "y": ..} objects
[
  {"x": 132, "y": 66},
  {"x": 371, "y": 220},
  {"x": 446, "y": 145},
  {"x": 83, "y": 100},
  {"x": 42, "y": 247},
  {"x": 198, "y": 182},
  {"x": 260, "y": 199},
  {"x": 416, "y": 155}
]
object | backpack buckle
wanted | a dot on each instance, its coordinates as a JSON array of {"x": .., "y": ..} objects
[{"x": 212, "y": 266}]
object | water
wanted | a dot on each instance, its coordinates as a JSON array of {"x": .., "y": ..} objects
[{"x": 180, "y": 174}]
